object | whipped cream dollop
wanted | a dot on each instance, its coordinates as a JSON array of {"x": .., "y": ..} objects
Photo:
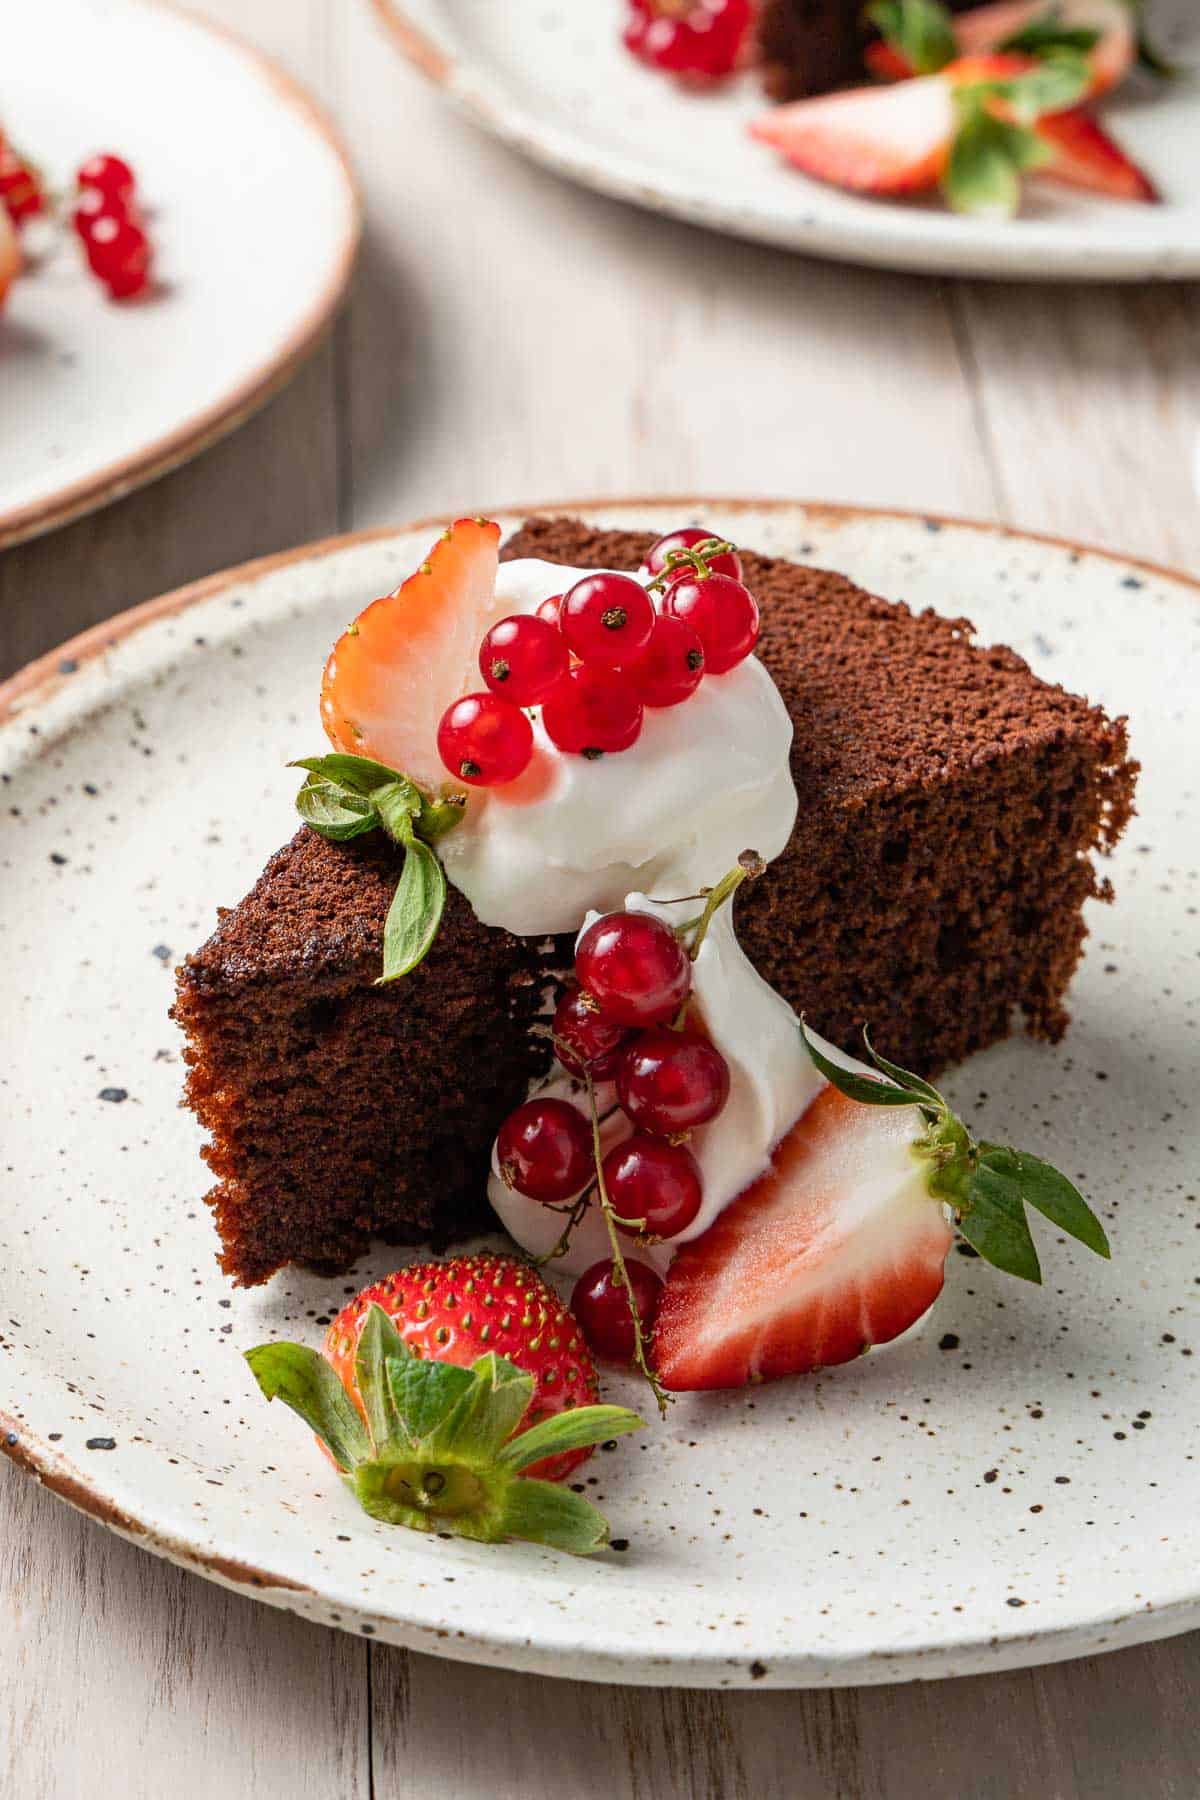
[
  {"x": 772, "y": 1081},
  {"x": 705, "y": 780}
]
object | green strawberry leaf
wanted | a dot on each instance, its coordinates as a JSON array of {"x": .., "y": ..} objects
[
  {"x": 1046, "y": 35},
  {"x": 993, "y": 1221},
  {"x": 548, "y": 1514},
  {"x": 904, "y": 1078},
  {"x": 437, "y": 817},
  {"x": 572, "y": 1430},
  {"x": 303, "y": 1380},
  {"x": 424, "y": 1391},
  {"x": 358, "y": 774},
  {"x": 1048, "y": 1191},
  {"x": 919, "y": 29},
  {"x": 398, "y": 803},
  {"x": 864, "y": 1088},
  {"x": 415, "y": 913},
  {"x": 485, "y": 1415},
  {"x": 334, "y": 811},
  {"x": 1057, "y": 83},
  {"x": 379, "y": 1342},
  {"x": 987, "y": 157}
]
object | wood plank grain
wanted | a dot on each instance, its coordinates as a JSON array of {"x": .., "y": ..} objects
[
  {"x": 119, "y": 1671},
  {"x": 1090, "y": 407}
]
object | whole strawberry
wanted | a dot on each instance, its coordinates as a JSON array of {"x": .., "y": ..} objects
[
  {"x": 445, "y": 1392},
  {"x": 455, "y": 1312}
]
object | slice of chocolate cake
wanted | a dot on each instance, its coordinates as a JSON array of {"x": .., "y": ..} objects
[
  {"x": 950, "y": 803},
  {"x": 810, "y": 46}
]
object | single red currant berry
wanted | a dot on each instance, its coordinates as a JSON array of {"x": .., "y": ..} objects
[
  {"x": 111, "y": 174},
  {"x": 548, "y": 610},
  {"x": 544, "y": 1151},
  {"x": 485, "y": 740},
  {"x": 523, "y": 658},
  {"x": 654, "y": 1185},
  {"x": 671, "y": 667},
  {"x": 607, "y": 619},
  {"x": 591, "y": 711},
  {"x": 118, "y": 251},
  {"x": 585, "y": 1042},
  {"x": 634, "y": 967},
  {"x": 604, "y": 1308},
  {"x": 92, "y": 206},
  {"x": 686, "y": 539},
  {"x": 723, "y": 612},
  {"x": 669, "y": 1081}
]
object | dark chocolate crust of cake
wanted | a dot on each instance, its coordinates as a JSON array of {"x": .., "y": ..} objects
[
  {"x": 338, "y": 1110},
  {"x": 809, "y": 46},
  {"x": 950, "y": 806}
]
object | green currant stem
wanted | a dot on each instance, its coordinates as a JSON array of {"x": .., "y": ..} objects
[{"x": 620, "y": 1273}]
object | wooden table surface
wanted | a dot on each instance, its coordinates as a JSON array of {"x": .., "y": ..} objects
[{"x": 511, "y": 338}]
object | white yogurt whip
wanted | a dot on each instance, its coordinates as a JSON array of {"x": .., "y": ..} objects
[
  {"x": 705, "y": 780},
  {"x": 772, "y": 1081}
]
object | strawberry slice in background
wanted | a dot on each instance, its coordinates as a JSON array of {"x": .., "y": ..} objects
[
  {"x": 10, "y": 254},
  {"x": 841, "y": 1244},
  {"x": 1086, "y": 156},
  {"x": 431, "y": 1427},
  {"x": 920, "y": 37},
  {"x": 892, "y": 140}
]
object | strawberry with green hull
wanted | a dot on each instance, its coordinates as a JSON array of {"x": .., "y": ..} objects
[
  {"x": 454, "y": 1397},
  {"x": 919, "y": 37},
  {"x": 841, "y": 1244}
]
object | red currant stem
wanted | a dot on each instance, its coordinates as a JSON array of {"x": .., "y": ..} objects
[
  {"x": 575, "y": 1213},
  {"x": 697, "y": 557},
  {"x": 620, "y": 1276},
  {"x": 749, "y": 867}
]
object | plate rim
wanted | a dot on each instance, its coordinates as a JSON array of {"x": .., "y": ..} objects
[
  {"x": 35, "y": 685},
  {"x": 871, "y": 243},
  {"x": 230, "y": 410}
]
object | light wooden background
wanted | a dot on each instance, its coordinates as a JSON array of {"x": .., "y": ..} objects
[{"x": 509, "y": 339}]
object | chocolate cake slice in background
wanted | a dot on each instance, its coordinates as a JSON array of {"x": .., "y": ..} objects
[{"x": 950, "y": 803}]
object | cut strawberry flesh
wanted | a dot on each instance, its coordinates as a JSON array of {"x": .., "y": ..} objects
[
  {"x": 393, "y": 673},
  {"x": 837, "y": 1247},
  {"x": 890, "y": 140},
  {"x": 1085, "y": 156}
]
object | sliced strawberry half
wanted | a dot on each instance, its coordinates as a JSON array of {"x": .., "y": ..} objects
[
  {"x": 394, "y": 671},
  {"x": 1086, "y": 156},
  {"x": 892, "y": 140},
  {"x": 842, "y": 1243},
  {"x": 837, "y": 1247}
]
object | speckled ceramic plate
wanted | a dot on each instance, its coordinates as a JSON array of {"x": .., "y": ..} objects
[
  {"x": 254, "y": 218},
  {"x": 1013, "y": 1484},
  {"x": 552, "y": 78}
]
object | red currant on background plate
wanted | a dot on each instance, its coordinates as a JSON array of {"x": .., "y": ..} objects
[
  {"x": 669, "y": 1081},
  {"x": 118, "y": 251},
  {"x": 607, "y": 620},
  {"x": 671, "y": 667},
  {"x": 722, "y": 611},
  {"x": 485, "y": 740},
  {"x": 591, "y": 711},
  {"x": 522, "y": 658},
  {"x": 585, "y": 1042},
  {"x": 686, "y": 538},
  {"x": 603, "y": 1310},
  {"x": 651, "y": 1180},
  {"x": 110, "y": 174},
  {"x": 698, "y": 40},
  {"x": 544, "y": 1150},
  {"x": 634, "y": 967}
]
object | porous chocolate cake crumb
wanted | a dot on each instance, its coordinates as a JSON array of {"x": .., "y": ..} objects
[{"x": 950, "y": 803}]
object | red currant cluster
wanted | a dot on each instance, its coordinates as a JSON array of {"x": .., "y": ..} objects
[
  {"x": 625, "y": 1022},
  {"x": 21, "y": 192},
  {"x": 110, "y": 226},
  {"x": 699, "y": 41},
  {"x": 595, "y": 657}
]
